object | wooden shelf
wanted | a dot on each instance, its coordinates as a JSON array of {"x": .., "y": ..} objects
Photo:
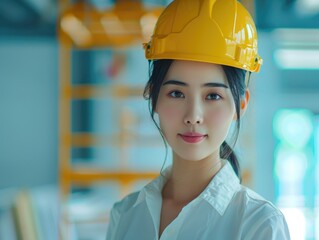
[
  {"x": 127, "y": 139},
  {"x": 90, "y": 91},
  {"x": 86, "y": 176}
]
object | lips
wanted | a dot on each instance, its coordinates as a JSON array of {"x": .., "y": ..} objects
[{"x": 192, "y": 137}]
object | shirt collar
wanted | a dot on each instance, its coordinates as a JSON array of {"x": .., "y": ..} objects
[
  {"x": 221, "y": 189},
  {"x": 154, "y": 188},
  {"x": 218, "y": 193}
]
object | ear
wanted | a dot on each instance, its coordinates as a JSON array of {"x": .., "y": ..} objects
[{"x": 243, "y": 103}]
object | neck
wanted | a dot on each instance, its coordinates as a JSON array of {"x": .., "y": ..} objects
[{"x": 190, "y": 178}]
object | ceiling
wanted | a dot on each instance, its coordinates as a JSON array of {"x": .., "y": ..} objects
[
  {"x": 287, "y": 13},
  {"x": 38, "y": 17}
]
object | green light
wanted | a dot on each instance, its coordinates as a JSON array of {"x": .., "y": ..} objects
[{"x": 293, "y": 127}]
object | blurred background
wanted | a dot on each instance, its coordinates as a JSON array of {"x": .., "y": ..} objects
[{"x": 75, "y": 132}]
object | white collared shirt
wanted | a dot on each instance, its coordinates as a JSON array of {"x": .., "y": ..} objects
[{"x": 225, "y": 210}]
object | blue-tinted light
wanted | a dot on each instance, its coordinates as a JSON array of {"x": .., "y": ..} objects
[
  {"x": 290, "y": 164},
  {"x": 294, "y": 127}
]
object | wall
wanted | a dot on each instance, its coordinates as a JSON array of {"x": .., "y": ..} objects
[{"x": 28, "y": 111}]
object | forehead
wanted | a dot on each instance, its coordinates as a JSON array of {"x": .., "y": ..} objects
[{"x": 195, "y": 72}]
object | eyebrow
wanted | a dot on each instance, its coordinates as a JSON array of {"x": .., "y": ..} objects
[{"x": 210, "y": 84}]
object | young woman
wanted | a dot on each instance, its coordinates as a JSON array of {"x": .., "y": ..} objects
[{"x": 202, "y": 53}]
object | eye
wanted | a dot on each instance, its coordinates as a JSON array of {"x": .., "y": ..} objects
[
  {"x": 213, "y": 96},
  {"x": 176, "y": 94}
]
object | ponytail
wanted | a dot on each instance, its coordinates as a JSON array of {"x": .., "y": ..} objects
[
  {"x": 236, "y": 80},
  {"x": 226, "y": 152}
]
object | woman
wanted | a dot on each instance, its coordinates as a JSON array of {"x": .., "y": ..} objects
[{"x": 202, "y": 53}]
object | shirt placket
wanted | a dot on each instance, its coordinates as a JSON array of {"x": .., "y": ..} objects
[
  {"x": 154, "y": 205},
  {"x": 172, "y": 230}
]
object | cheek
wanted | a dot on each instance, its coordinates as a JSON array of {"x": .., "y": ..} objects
[
  {"x": 168, "y": 114},
  {"x": 166, "y": 109},
  {"x": 165, "y": 114},
  {"x": 219, "y": 124},
  {"x": 219, "y": 115}
]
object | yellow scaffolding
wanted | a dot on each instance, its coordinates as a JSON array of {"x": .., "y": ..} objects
[{"x": 83, "y": 27}]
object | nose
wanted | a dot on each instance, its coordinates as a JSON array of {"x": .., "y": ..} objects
[{"x": 194, "y": 113}]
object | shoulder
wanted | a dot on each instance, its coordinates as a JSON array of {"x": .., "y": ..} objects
[
  {"x": 137, "y": 197},
  {"x": 126, "y": 203},
  {"x": 254, "y": 202},
  {"x": 261, "y": 219},
  {"x": 117, "y": 210}
]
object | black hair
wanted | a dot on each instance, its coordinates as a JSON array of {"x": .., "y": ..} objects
[{"x": 236, "y": 80}]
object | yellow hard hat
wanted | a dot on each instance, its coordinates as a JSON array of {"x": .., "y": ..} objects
[{"x": 215, "y": 31}]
